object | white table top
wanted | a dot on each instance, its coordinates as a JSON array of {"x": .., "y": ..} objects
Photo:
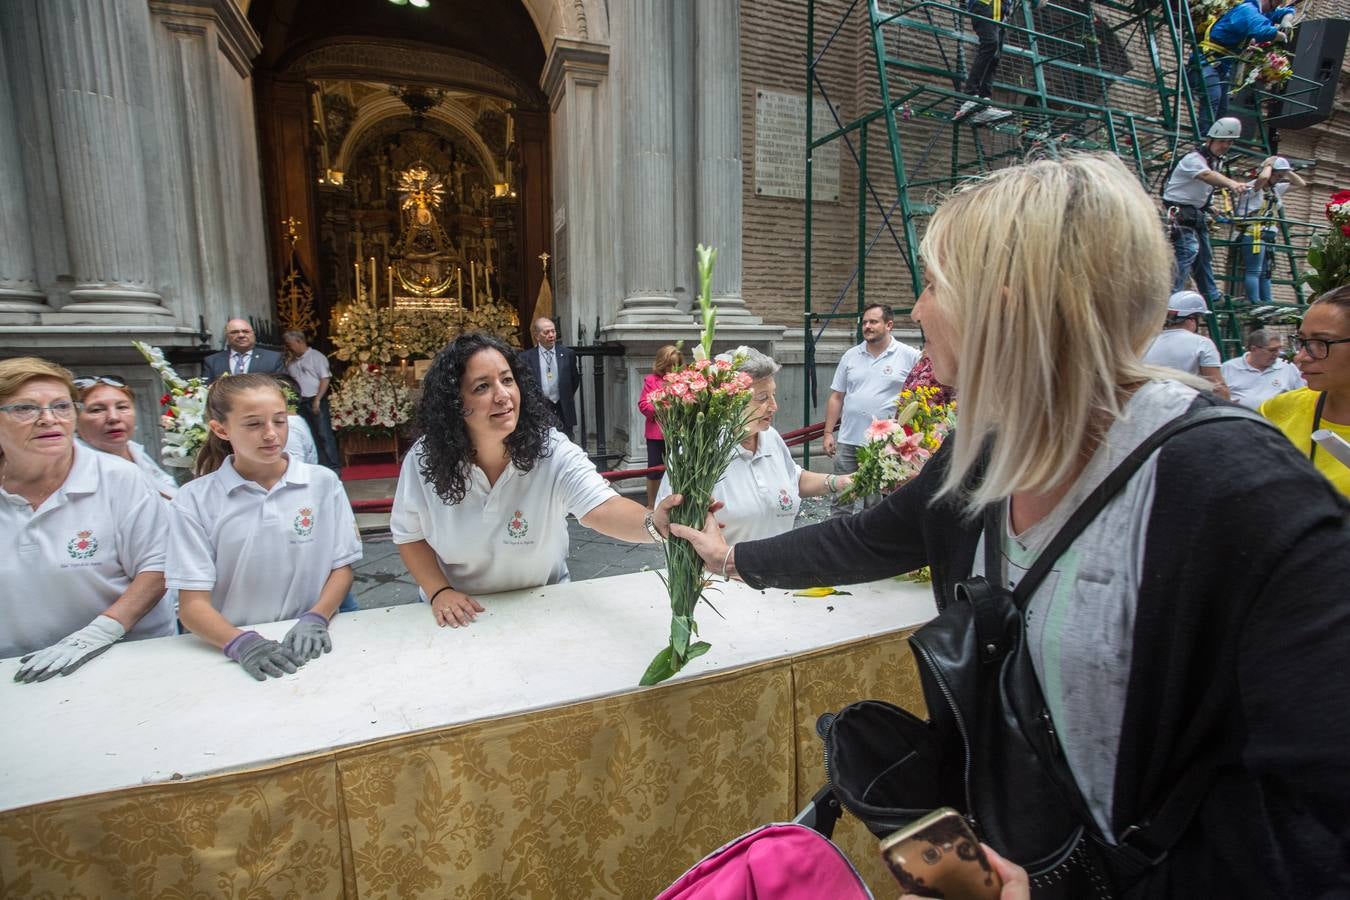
[{"x": 152, "y": 711}]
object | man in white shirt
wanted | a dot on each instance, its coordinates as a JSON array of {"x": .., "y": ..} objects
[
  {"x": 1187, "y": 195},
  {"x": 1181, "y": 347},
  {"x": 312, "y": 376},
  {"x": 1260, "y": 373},
  {"x": 243, "y": 354},
  {"x": 555, "y": 367},
  {"x": 864, "y": 388}
]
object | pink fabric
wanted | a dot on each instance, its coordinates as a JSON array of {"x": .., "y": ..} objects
[
  {"x": 650, "y": 384},
  {"x": 776, "y": 862}
]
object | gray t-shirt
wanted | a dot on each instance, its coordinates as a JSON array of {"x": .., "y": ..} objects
[
  {"x": 1178, "y": 348},
  {"x": 1183, "y": 186},
  {"x": 1080, "y": 620}
]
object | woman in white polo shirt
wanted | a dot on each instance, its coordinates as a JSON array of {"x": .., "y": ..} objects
[
  {"x": 261, "y": 537},
  {"x": 107, "y": 421},
  {"x": 81, "y": 533},
  {"x": 483, "y": 497},
  {"x": 763, "y": 486}
]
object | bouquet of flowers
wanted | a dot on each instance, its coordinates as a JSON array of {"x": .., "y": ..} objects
[
  {"x": 701, "y": 410},
  {"x": 184, "y": 411},
  {"x": 370, "y": 401},
  {"x": 1266, "y": 65},
  {"x": 897, "y": 449},
  {"x": 1329, "y": 255}
]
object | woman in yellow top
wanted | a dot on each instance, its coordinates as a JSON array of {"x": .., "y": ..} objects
[{"x": 1323, "y": 357}]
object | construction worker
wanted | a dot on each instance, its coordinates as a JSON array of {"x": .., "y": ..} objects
[
  {"x": 1220, "y": 42},
  {"x": 1187, "y": 195},
  {"x": 987, "y": 22},
  {"x": 1260, "y": 209}
]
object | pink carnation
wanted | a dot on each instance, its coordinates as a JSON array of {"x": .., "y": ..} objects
[
  {"x": 698, "y": 384},
  {"x": 722, "y": 365},
  {"x": 881, "y": 428},
  {"x": 701, "y": 365}
]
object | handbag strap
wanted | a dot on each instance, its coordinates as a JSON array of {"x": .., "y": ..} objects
[
  {"x": 1317, "y": 423},
  {"x": 1095, "y": 501}
]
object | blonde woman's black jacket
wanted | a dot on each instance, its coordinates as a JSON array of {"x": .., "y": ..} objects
[{"x": 1241, "y": 649}]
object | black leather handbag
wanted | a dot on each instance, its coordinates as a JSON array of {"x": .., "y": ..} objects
[{"x": 990, "y": 748}]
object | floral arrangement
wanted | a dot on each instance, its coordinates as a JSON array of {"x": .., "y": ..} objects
[
  {"x": 701, "y": 410},
  {"x": 897, "y": 449},
  {"x": 369, "y": 400},
  {"x": 1266, "y": 65},
  {"x": 183, "y": 418},
  {"x": 1329, "y": 255},
  {"x": 497, "y": 319},
  {"x": 364, "y": 333},
  {"x": 1202, "y": 10}
]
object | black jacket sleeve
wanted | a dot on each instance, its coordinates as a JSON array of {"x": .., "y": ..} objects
[{"x": 892, "y": 538}]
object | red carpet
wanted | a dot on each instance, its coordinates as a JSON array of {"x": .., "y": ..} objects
[{"x": 370, "y": 470}]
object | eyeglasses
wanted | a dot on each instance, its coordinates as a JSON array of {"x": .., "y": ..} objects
[
  {"x": 1317, "y": 348},
  {"x": 23, "y": 413},
  {"x": 85, "y": 382}
]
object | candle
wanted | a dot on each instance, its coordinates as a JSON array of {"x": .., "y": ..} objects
[
  {"x": 459, "y": 284},
  {"x": 374, "y": 285},
  {"x": 357, "y": 283},
  {"x": 473, "y": 282},
  {"x": 390, "y": 271}
]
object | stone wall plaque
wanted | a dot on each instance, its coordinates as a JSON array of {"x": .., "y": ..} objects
[{"x": 780, "y": 141}]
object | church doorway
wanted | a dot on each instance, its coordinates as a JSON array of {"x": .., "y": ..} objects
[{"x": 405, "y": 157}]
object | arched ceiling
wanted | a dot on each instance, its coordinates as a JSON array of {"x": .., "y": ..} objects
[{"x": 499, "y": 32}]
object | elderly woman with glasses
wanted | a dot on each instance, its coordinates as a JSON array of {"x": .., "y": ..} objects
[
  {"x": 107, "y": 421},
  {"x": 1323, "y": 359},
  {"x": 82, "y": 535},
  {"x": 763, "y": 486}
]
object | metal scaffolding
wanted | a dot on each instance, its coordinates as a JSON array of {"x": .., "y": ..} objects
[{"x": 1103, "y": 75}]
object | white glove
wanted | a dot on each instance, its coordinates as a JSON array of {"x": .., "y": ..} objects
[{"x": 72, "y": 651}]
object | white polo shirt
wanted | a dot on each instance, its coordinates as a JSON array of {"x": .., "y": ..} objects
[
  {"x": 1178, "y": 348},
  {"x": 263, "y": 555},
  {"x": 506, "y": 536},
  {"x": 72, "y": 557},
  {"x": 154, "y": 476},
  {"x": 761, "y": 490},
  {"x": 869, "y": 385},
  {"x": 308, "y": 371},
  {"x": 1250, "y": 387},
  {"x": 1184, "y": 184}
]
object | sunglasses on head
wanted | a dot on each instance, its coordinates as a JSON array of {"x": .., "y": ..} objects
[{"x": 84, "y": 382}]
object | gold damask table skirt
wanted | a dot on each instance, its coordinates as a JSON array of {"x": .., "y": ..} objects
[{"x": 613, "y": 797}]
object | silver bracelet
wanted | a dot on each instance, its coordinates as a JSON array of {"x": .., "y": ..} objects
[{"x": 726, "y": 559}]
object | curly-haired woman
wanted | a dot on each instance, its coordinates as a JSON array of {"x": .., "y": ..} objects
[{"x": 483, "y": 498}]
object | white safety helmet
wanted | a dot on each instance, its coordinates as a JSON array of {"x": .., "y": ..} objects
[
  {"x": 1184, "y": 304},
  {"x": 1226, "y": 129}
]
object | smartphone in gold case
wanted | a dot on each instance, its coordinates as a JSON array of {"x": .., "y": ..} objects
[{"x": 939, "y": 856}]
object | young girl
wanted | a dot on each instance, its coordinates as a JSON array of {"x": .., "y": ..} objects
[{"x": 260, "y": 537}]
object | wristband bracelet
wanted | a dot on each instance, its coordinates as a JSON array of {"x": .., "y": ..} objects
[
  {"x": 726, "y": 559},
  {"x": 437, "y": 594},
  {"x": 831, "y": 484}
]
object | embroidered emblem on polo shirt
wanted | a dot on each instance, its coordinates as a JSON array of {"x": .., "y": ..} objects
[
  {"x": 304, "y": 521},
  {"x": 517, "y": 527},
  {"x": 886, "y": 370},
  {"x": 784, "y": 500},
  {"x": 83, "y": 545}
]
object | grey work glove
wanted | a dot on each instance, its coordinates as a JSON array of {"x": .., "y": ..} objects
[
  {"x": 72, "y": 651},
  {"x": 260, "y": 657},
  {"x": 308, "y": 637}
]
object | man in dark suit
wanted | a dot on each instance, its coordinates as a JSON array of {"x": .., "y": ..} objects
[
  {"x": 555, "y": 366},
  {"x": 242, "y": 356}
]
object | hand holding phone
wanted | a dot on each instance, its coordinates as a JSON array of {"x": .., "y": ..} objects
[{"x": 939, "y": 856}]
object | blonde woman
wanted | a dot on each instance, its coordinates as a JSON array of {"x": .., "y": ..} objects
[{"x": 1196, "y": 630}]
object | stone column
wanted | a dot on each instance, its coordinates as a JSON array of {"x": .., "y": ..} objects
[
  {"x": 89, "y": 48},
  {"x": 18, "y": 279},
  {"x": 642, "y": 31},
  {"x": 717, "y": 148}
]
